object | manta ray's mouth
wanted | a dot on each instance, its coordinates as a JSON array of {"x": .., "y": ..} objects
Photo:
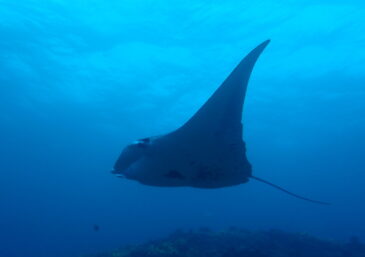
[
  {"x": 118, "y": 174},
  {"x": 128, "y": 172}
]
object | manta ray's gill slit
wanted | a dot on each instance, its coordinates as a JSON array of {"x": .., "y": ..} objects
[{"x": 174, "y": 174}]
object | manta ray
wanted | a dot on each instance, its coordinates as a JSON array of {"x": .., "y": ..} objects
[{"x": 207, "y": 151}]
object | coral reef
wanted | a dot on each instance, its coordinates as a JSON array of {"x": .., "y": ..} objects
[{"x": 240, "y": 243}]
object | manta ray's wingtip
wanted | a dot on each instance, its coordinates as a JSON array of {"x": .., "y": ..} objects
[
  {"x": 256, "y": 52},
  {"x": 264, "y": 44}
]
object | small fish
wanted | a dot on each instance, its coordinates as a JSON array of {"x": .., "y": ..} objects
[{"x": 96, "y": 228}]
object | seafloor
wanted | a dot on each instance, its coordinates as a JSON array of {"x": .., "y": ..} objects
[{"x": 240, "y": 243}]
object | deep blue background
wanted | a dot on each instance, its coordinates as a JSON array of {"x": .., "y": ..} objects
[{"x": 81, "y": 79}]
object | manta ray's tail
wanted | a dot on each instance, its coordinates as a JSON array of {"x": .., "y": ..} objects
[{"x": 286, "y": 191}]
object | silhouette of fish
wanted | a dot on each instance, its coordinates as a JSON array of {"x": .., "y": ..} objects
[
  {"x": 208, "y": 150},
  {"x": 96, "y": 228}
]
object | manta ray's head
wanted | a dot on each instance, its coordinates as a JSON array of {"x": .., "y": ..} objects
[{"x": 128, "y": 160}]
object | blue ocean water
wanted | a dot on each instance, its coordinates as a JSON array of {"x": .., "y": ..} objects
[{"x": 81, "y": 79}]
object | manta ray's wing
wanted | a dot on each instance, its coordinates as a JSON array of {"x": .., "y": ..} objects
[
  {"x": 222, "y": 113},
  {"x": 208, "y": 149}
]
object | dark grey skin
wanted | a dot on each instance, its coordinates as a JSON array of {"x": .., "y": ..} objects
[{"x": 207, "y": 151}]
